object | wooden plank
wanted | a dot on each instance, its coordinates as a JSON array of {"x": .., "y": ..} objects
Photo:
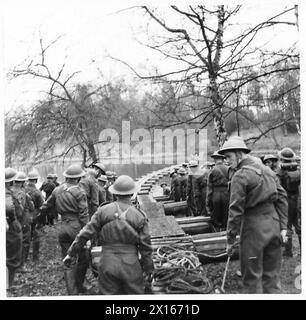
[
  {"x": 208, "y": 235},
  {"x": 194, "y": 228},
  {"x": 164, "y": 226}
]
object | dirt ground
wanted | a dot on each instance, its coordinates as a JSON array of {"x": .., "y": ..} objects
[{"x": 46, "y": 277}]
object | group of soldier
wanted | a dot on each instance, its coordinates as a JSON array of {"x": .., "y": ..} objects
[
  {"x": 256, "y": 199},
  {"x": 244, "y": 197}
]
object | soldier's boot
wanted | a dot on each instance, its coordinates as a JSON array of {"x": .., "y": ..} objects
[
  {"x": 36, "y": 246},
  {"x": 288, "y": 248},
  {"x": 70, "y": 280},
  {"x": 11, "y": 276}
]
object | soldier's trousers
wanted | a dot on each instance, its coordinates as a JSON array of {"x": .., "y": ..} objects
[
  {"x": 120, "y": 273},
  {"x": 26, "y": 241},
  {"x": 13, "y": 249},
  {"x": 293, "y": 221},
  {"x": 191, "y": 209},
  {"x": 220, "y": 201},
  {"x": 260, "y": 253},
  {"x": 36, "y": 232},
  {"x": 200, "y": 203},
  {"x": 75, "y": 274}
]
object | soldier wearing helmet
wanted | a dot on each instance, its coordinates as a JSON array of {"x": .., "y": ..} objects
[
  {"x": 47, "y": 187},
  {"x": 270, "y": 161},
  {"x": 217, "y": 200},
  {"x": 166, "y": 189},
  {"x": 109, "y": 195},
  {"x": 290, "y": 178},
  {"x": 172, "y": 175},
  {"x": 126, "y": 243},
  {"x": 36, "y": 223},
  {"x": 71, "y": 203},
  {"x": 26, "y": 218},
  {"x": 180, "y": 185},
  {"x": 258, "y": 211},
  {"x": 14, "y": 231},
  {"x": 99, "y": 168}
]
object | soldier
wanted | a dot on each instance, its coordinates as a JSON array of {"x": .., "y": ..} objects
[
  {"x": 54, "y": 175},
  {"x": 100, "y": 169},
  {"x": 172, "y": 175},
  {"x": 270, "y": 161},
  {"x": 14, "y": 230},
  {"x": 71, "y": 203},
  {"x": 290, "y": 178},
  {"x": 36, "y": 222},
  {"x": 217, "y": 200},
  {"x": 90, "y": 185},
  {"x": 258, "y": 209},
  {"x": 199, "y": 187},
  {"x": 109, "y": 196},
  {"x": 180, "y": 185},
  {"x": 102, "y": 192},
  {"x": 166, "y": 189},
  {"x": 48, "y": 186},
  {"x": 192, "y": 211},
  {"x": 126, "y": 243},
  {"x": 28, "y": 211}
]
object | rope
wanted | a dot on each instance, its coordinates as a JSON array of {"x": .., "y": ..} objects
[{"x": 179, "y": 271}]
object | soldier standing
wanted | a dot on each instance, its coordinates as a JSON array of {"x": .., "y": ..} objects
[
  {"x": 47, "y": 187},
  {"x": 101, "y": 185},
  {"x": 90, "y": 185},
  {"x": 290, "y": 178},
  {"x": 258, "y": 210},
  {"x": 28, "y": 210},
  {"x": 126, "y": 243},
  {"x": 172, "y": 175},
  {"x": 217, "y": 200},
  {"x": 109, "y": 195},
  {"x": 180, "y": 185},
  {"x": 191, "y": 206},
  {"x": 71, "y": 203},
  {"x": 36, "y": 222},
  {"x": 14, "y": 231},
  {"x": 270, "y": 161},
  {"x": 166, "y": 189}
]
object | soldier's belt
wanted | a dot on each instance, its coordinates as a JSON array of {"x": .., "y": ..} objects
[
  {"x": 266, "y": 207},
  {"x": 119, "y": 248}
]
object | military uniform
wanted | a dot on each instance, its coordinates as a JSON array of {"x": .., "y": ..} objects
[
  {"x": 217, "y": 200},
  {"x": 90, "y": 186},
  {"x": 290, "y": 179},
  {"x": 71, "y": 203},
  {"x": 48, "y": 187},
  {"x": 25, "y": 219},
  {"x": 36, "y": 223},
  {"x": 13, "y": 234},
  {"x": 102, "y": 194},
  {"x": 190, "y": 198},
  {"x": 258, "y": 209},
  {"x": 180, "y": 188},
  {"x": 124, "y": 234},
  {"x": 199, "y": 193}
]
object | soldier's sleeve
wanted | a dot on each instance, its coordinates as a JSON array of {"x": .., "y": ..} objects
[
  {"x": 145, "y": 248},
  {"x": 83, "y": 207},
  {"x": 281, "y": 205},
  {"x": 237, "y": 205},
  {"x": 94, "y": 197},
  {"x": 39, "y": 199},
  {"x": 88, "y": 231},
  {"x": 209, "y": 203}
]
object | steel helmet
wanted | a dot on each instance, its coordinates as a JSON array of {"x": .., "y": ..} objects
[
  {"x": 54, "y": 175},
  {"x": 50, "y": 176},
  {"x": 269, "y": 157},
  {"x": 181, "y": 171},
  {"x": 21, "y": 177},
  {"x": 10, "y": 174},
  {"x": 109, "y": 174},
  {"x": 124, "y": 185},
  {"x": 163, "y": 184},
  {"x": 287, "y": 154},
  {"x": 234, "y": 143},
  {"x": 193, "y": 163},
  {"x": 74, "y": 171},
  {"x": 32, "y": 175},
  {"x": 216, "y": 154},
  {"x": 100, "y": 166},
  {"x": 102, "y": 178}
]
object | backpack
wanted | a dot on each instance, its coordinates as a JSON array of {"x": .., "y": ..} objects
[{"x": 292, "y": 181}]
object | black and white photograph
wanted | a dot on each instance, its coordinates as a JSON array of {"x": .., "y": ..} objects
[{"x": 151, "y": 150}]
